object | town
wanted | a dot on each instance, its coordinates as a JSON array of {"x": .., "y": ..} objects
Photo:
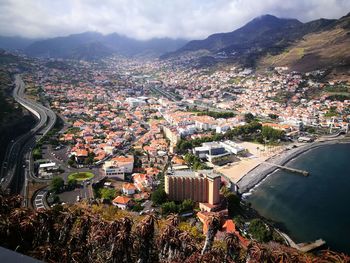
[{"x": 160, "y": 137}]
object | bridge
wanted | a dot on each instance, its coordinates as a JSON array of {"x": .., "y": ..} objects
[{"x": 289, "y": 169}]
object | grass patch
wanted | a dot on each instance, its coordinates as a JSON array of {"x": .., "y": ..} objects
[{"x": 81, "y": 176}]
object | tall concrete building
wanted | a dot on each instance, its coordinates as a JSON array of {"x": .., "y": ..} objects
[{"x": 201, "y": 186}]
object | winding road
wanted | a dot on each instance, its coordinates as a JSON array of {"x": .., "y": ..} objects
[{"x": 17, "y": 168}]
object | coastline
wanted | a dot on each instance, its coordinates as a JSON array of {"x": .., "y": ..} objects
[{"x": 259, "y": 173}]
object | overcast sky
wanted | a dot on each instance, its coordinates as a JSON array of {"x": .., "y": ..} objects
[{"x": 144, "y": 19}]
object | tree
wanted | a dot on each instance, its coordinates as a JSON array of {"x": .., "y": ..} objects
[
  {"x": 272, "y": 134},
  {"x": 260, "y": 231},
  {"x": 187, "y": 205},
  {"x": 233, "y": 204},
  {"x": 137, "y": 208},
  {"x": 159, "y": 196},
  {"x": 145, "y": 234},
  {"x": 214, "y": 224},
  {"x": 57, "y": 184},
  {"x": 107, "y": 193},
  {"x": 248, "y": 117},
  {"x": 273, "y": 116},
  {"x": 72, "y": 183},
  {"x": 71, "y": 162},
  {"x": 169, "y": 207},
  {"x": 239, "y": 221}
]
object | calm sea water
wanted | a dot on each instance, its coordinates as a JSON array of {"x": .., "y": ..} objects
[{"x": 317, "y": 206}]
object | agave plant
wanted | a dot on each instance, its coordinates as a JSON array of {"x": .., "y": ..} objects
[
  {"x": 232, "y": 245},
  {"x": 334, "y": 257}
]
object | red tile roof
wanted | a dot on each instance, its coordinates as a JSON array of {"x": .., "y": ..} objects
[{"x": 123, "y": 200}]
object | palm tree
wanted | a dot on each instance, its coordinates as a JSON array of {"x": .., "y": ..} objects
[
  {"x": 187, "y": 244},
  {"x": 232, "y": 245},
  {"x": 214, "y": 224},
  {"x": 173, "y": 219},
  {"x": 145, "y": 233},
  {"x": 97, "y": 239}
]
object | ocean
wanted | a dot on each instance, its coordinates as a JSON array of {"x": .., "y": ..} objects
[{"x": 313, "y": 207}]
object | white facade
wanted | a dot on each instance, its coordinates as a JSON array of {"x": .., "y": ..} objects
[
  {"x": 232, "y": 147},
  {"x": 113, "y": 171}
]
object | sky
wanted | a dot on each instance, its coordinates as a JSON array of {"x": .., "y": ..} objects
[{"x": 145, "y": 19}]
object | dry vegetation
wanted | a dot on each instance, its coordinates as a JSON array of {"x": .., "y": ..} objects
[
  {"x": 315, "y": 51},
  {"x": 95, "y": 233}
]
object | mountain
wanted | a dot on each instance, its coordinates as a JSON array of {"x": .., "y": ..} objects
[
  {"x": 15, "y": 43},
  {"x": 93, "y": 45},
  {"x": 255, "y": 29},
  {"x": 266, "y": 35},
  {"x": 328, "y": 48}
]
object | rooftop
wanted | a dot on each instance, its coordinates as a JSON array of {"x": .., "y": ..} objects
[{"x": 200, "y": 173}]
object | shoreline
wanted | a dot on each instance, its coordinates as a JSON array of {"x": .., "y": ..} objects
[{"x": 258, "y": 174}]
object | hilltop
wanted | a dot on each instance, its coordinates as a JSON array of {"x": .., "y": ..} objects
[{"x": 271, "y": 41}]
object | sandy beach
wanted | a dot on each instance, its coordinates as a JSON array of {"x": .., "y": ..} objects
[
  {"x": 258, "y": 154},
  {"x": 250, "y": 171}
]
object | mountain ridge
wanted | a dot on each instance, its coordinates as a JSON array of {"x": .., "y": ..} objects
[
  {"x": 262, "y": 36},
  {"x": 77, "y": 45},
  {"x": 84, "y": 45}
]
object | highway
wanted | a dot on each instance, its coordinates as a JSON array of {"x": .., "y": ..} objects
[{"x": 17, "y": 168}]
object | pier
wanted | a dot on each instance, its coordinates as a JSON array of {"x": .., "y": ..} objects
[
  {"x": 293, "y": 170},
  {"x": 304, "y": 247}
]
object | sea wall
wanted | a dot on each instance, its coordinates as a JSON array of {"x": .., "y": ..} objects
[{"x": 260, "y": 172}]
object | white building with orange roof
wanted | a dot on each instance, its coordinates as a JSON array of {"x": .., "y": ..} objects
[
  {"x": 127, "y": 162},
  {"x": 142, "y": 181},
  {"x": 122, "y": 202},
  {"x": 129, "y": 189}
]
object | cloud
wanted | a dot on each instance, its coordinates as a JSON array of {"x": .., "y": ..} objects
[{"x": 144, "y": 19}]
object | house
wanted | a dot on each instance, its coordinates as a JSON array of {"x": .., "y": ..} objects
[
  {"x": 122, "y": 202},
  {"x": 127, "y": 162},
  {"x": 142, "y": 196},
  {"x": 129, "y": 189},
  {"x": 80, "y": 155},
  {"x": 142, "y": 181}
]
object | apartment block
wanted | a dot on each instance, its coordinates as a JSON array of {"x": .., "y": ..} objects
[{"x": 201, "y": 186}]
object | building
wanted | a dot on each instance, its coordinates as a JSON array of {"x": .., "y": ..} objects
[
  {"x": 47, "y": 170},
  {"x": 112, "y": 170},
  {"x": 122, "y": 202},
  {"x": 126, "y": 162},
  {"x": 172, "y": 134},
  {"x": 232, "y": 147},
  {"x": 81, "y": 155},
  {"x": 129, "y": 189},
  {"x": 118, "y": 166},
  {"x": 202, "y": 186},
  {"x": 142, "y": 181},
  {"x": 214, "y": 152}
]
